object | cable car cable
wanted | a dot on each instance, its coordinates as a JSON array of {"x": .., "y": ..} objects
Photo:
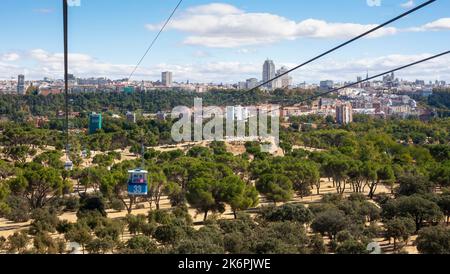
[
  {"x": 370, "y": 78},
  {"x": 155, "y": 39}
]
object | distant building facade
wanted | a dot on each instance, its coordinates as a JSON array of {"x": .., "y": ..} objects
[
  {"x": 95, "y": 122},
  {"x": 166, "y": 79},
  {"x": 284, "y": 81},
  {"x": 326, "y": 85},
  {"x": 21, "y": 84},
  {"x": 344, "y": 114},
  {"x": 268, "y": 73},
  {"x": 252, "y": 83}
]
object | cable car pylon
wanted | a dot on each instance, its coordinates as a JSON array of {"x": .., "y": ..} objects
[{"x": 68, "y": 165}]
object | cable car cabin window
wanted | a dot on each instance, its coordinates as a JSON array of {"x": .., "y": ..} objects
[{"x": 137, "y": 183}]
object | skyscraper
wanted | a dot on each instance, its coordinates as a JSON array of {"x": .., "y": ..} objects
[
  {"x": 344, "y": 114},
  {"x": 268, "y": 73},
  {"x": 21, "y": 84},
  {"x": 166, "y": 78}
]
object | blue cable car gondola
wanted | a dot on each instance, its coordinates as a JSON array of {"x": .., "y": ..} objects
[{"x": 137, "y": 182}]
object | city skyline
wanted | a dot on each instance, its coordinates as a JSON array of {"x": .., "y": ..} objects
[{"x": 209, "y": 55}]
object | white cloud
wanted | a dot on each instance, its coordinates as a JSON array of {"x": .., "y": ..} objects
[
  {"x": 82, "y": 65},
  {"x": 10, "y": 57},
  {"x": 225, "y": 26},
  {"x": 373, "y": 3},
  {"x": 409, "y": 4},
  {"x": 215, "y": 8},
  {"x": 345, "y": 70},
  {"x": 438, "y": 25}
]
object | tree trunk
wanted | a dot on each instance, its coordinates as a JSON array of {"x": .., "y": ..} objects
[
  {"x": 205, "y": 216},
  {"x": 130, "y": 208},
  {"x": 158, "y": 200}
]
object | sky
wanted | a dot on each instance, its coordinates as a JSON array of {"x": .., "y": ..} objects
[{"x": 222, "y": 41}]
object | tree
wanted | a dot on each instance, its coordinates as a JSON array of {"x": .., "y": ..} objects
[
  {"x": 316, "y": 244},
  {"x": 79, "y": 233},
  {"x": 351, "y": 247},
  {"x": 399, "y": 229},
  {"x": 207, "y": 194},
  {"x": 100, "y": 246},
  {"x": 177, "y": 176},
  {"x": 18, "y": 153},
  {"x": 339, "y": 167},
  {"x": 39, "y": 185},
  {"x": 4, "y": 194},
  {"x": 98, "y": 178},
  {"x": 276, "y": 187},
  {"x": 43, "y": 221},
  {"x": 248, "y": 198},
  {"x": 50, "y": 159},
  {"x": 141, "y": 245},
  {"x": 6, "y": 170},
  {"x": 416, "y": 207},
  {"x": 444, "y": 204},
  {"x": 441, "y": 174},
  {"x": 303, "y": 175},
  {"x": 279, "y": 238},
  {"x": 413, "y": 184},
  {"x": 240, "y": 196},
  {"x": 135, "y": 223},
  {"x": 434, "y": 240},
  {"x": 157, "y": 182},
  {"x": 90, "y": 204},
  {"x": 169, "y": 234},
  {"x": 2, "y": 242},
  {"x": 44, "y": 243},
  {"x": 330, "y": 223},
  {"x": 288, "y": 212},
  {"x": 18, "y": 242},
  {"x": 17, "y": 209},
  {"x": 384, "y": 175}
]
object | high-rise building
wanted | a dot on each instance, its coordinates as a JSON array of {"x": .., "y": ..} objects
[
  {"x": 166, "y": 78},
  {"x": 284, "y": 81},
  {"x": 326, "y": 85},
  {"x": 252, "y": 83},
  {"x": 268, "y": 73},
  {"x": 95, "y": 122},
  {"x": 344, "y": 114},
  {"x": 21, "y": 84},
  {"x": 358, "y": 80}
]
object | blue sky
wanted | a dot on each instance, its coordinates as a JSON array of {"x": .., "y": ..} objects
[{"x": 221, "y": 41}]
